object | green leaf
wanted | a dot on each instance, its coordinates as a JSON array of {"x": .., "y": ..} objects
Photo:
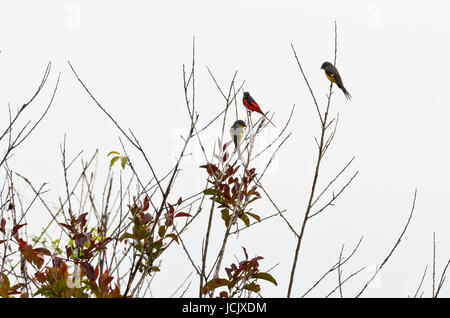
[
  {"x": 113, "y": 160},
  {"x": 173, "y": 236},
  {"x": 113, "y": 152},
  {"x": 161, "y": 231},
  {"x": 209, "y": 191},
  {"x": 255, "y": 216},
  {"x": 5, "y": 282},
  {"x": 123, "y": 161},
  {"x": 252, "y": 287},
  {"x": 265, "y": 276},
  {"x": 245, "y": 219},
  {"x": 45, "y": 291},
  {"x": 225, "y": 216},
  {"x": 126, "y": 236}
]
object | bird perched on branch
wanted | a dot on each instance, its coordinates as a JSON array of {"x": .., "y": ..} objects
[
  {"x": 333, "y": 75},
  {"x": 237, "y": 132},
  {"x": 253, "y": 106}
]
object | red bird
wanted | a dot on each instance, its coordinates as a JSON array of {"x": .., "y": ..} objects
[{"x": 253, "y": 106}]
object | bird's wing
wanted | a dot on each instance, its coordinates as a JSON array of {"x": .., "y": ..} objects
[{"x": 334, "y": 76}]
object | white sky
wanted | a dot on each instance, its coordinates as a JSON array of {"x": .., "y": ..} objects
[{"x": 392, "y": 56}]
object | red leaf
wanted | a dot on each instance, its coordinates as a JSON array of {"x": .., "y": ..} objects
[
  {"x": 179, "y": 201},
  {"x": 22, "y": 244},
  {"x": 181, "y": 214},
  {"x": 82, "y": 219},
  {"x": 40, "y": 277},
  {"x": 16, "y": 228},
  {"x": 223, "y": 294},
  {"x": 96, "y": 271},
  {"x": 2, "y": 225},
  {"x": 88, "y": 270},
  {"x": 69, "y": 227},
  {"x": 245, "y": 252},
  {"x": 146, "y": 203},
  {"x": 210, "y": 168},
  {"x": 226, "y": 145},
  {"x": 43, "y": 251},
  {"x": 69, "y": 252}
]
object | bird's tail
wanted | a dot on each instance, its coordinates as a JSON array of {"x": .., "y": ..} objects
[
  {"x": 346, "y": 93},
  {"x": 268, "y": 119},
  {"x": 238, "y": 149}
]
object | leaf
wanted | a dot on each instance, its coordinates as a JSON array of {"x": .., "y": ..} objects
[
  {"x": 88, "y": 270},
  {"x": 245, "y": 252},
  {"x": 40, "y": 277},
  {"x": 16, "y": 228},
  {"x": 69, "y": 227},
  {"x": 112, "y": 152},
  {"x": 180, "y": 200},
  {"x": 146, "y": 203},
  {"x": 265, "y": 276},
  {"x": 225, "y": 156},
  {"x": 226, "y": 145},
  {"x": 173, "y": 236},
  {"x": 42, "y": 250},
  {"x": 123, "y": 161},
  {"x": 210, "y": 168},
  {"x": 255, "y": 216},
  {"x": 223, "y": 294},
  {"x": 213, "y": 284},
  {"x": 82, "y": 219},
  {"x": 31, "y": 255},
  {"x": 182, "y": 214},
  {"x": 5, "y": 284},
  {"x": 113, "y": 160},
  {"x": 245, "y": 219},
  {"x": 209, "y": 191},
  {"x": 161, "y": 231},
  {"x": 225, "y": 216},
  {"x": 2, "y": 225},
  {"x": 253, "y": 287},
  {"x": 22, "y": 244}
]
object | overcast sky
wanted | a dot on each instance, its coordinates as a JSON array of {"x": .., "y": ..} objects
[{"x": 392, "y": 56}]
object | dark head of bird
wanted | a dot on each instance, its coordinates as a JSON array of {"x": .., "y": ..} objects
[
  {"x": 246, "y": 94},
  {"x": 239, "y": 124},
  {"x": 325, "y": 64}
]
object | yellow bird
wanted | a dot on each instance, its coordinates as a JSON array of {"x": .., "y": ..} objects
[
  {"x": 333, "y": 75},
  {"x": 237, "y": 132}
]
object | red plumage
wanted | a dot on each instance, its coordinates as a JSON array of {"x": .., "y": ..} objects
[{"x": 253, "y": 106}]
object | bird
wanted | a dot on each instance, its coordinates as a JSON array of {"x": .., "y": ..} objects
[
  {"x": 333, "y": 75},
  {"x": 253, "y": 106},
  {"x": 237, "y": 132}
]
